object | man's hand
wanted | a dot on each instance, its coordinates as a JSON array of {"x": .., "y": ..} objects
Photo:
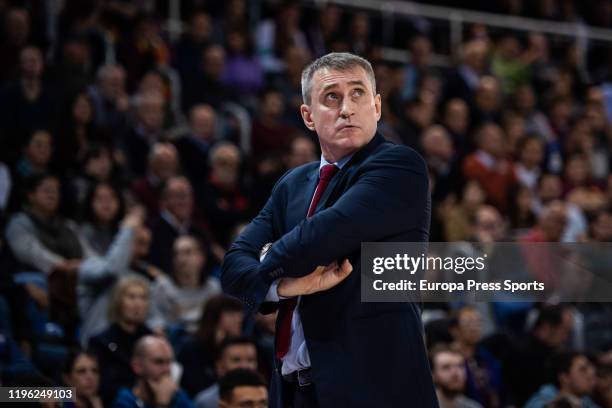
[
  {"x": 68, "y": 267},
  {"x": 163, "y": 389},
  {"x": 40, "y": 295},
  {"x": 322, "y": 278}
]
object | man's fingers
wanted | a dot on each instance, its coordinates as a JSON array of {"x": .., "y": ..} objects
[{"x": 346, "y": 267}]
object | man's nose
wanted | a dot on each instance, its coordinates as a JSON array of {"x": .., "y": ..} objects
[{"x": 347, "y": 108}]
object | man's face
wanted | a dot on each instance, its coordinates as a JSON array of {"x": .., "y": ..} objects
[
  {"x": 470, "y": 326},
  {"x": 247, "y": 396},
  {"x": 203, "y": 122},
  {"x": 156, "y": 362},
  {"x": 449, "y": 373},
  {"x": 188, "y": 261},
  {"x": 31, "y": 63},
  {"x": 237, "y": 356},
  {"x": 581, "y": 379},
  {"x": 559, "y": 334},
  {"x": 46, "y": 197},
  {"x": 343, "y": 111},
  {"x": 151, "y": 113},
  {"x": 179, "y": 199},
  {"x": 134, "y": 304}
]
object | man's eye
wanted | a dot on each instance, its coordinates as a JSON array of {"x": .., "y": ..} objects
[
  {"x": 332, "y": 96},
  {"x": 358, "y": 92}
]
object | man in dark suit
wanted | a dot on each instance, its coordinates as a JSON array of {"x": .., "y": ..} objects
[{"x": 332, "y": 349}]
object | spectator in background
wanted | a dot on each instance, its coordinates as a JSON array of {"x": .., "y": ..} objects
[
  {"x": 603, "y": 391},
  {"x": 549, "y": 190},
  {"x": 437, "y": 150},
  {"x": 222, "y": 197},
  {"x": 290, "y": 86},
  {"x": 488, "y": 165},
  {"x": 275, "y": 35},
  {"x": 420, "y": 48},
  {"x": 269, "y": 133},
  {"x": 520, "y": 211},
  {"x": 240, "y": 388},
  {"x": 36, "y": 155},
  {"x": 530, "y": 155},
  {"x": 483, "y": 371},
  {"x": 234, "y": 353},
  {"x": 487, "y": 102},
  {"x": 242, "y": 73},
  {"x": 48, "y": 244},
  {"x": 489, "y": 226},
  {"x": 552, "y": 221},
  {"x": 418, "y": 115},
  {"x": 128, "y": 310},
  {"x": 464, "y": 80},
  {"x": 109, "y": 99},
  {"x": 27, "y": 104},
  {"x": 205, "y": 87},
  {"x": 574, "y": 379},
  {"x": 457, "y": 219},
  {"x": 163, "y": 163},
  {"x": 508, "y": 65},
  {"x": 81, "y": 372},
  {"x": 188, "y": 51},
  {"x": 98, "y": 166},
  {"x": 456, "y": 120},
  {"x": 76, "y": 134},
  {"x": 580, "y": 190},
  {"x": 526, "y": 367},
  {"x": 358, "y": 38},
  {"x": 222, "y": 318},
  {"x": 525, "y": 106},
  {"x": 325, "y": 29},
  {"x": 16, "y": 33},
  {"x": 176, "y": 218},
  {"x": 99, "y": 274},
  {"x": 301, "y": 151},
  {"x": 151, "y": 363},
  {"x": 146, "y": 131},
  {"x": 158, "y": 82},
  {"x": 103, "y": 208},
  {"x": 194, "y": 147},
  {"x": 448, "y": 370},
  {"x": 181, "y": 298},
  {"x": 144, "y": 49}
]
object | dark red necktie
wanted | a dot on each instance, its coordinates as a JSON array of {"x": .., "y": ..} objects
[{"x": 285, "y": 312}]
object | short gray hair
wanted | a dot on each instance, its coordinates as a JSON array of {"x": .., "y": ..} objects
[{"x": 337, "y": 61}]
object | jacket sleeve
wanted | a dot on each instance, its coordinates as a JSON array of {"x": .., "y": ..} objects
[
  {"x": 115, "y": 262},
  {"x": 390, "y": 197},
  {"x": 240, "y": 275},
  {"x": 21, "y": 237}
]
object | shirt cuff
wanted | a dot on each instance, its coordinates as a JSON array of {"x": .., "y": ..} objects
[{"x": 272, "y": 295}]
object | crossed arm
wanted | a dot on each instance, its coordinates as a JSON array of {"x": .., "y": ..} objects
[{"x": 390, "y": 197}]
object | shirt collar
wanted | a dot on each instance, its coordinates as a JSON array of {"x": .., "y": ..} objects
[{"x": 340, "y": 163}]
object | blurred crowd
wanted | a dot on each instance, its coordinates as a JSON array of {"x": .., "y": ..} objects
[{"x": 132, "y": 156}]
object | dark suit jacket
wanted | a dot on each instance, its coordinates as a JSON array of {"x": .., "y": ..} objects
[{"x": 362, "y": 354}]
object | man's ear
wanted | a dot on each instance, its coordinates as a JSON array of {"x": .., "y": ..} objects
[
  {"x": 136, "y": 366},
  {"x": 378, "y": 106},
  {"x": 307, "y": 116}
]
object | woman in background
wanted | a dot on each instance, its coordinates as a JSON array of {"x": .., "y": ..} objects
[{"x": 81, "y": 372}]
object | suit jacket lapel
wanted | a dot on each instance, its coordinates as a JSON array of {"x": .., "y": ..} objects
[
  {"x": 336, "y": 183},
  {"x": 300, "y": 198}
]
